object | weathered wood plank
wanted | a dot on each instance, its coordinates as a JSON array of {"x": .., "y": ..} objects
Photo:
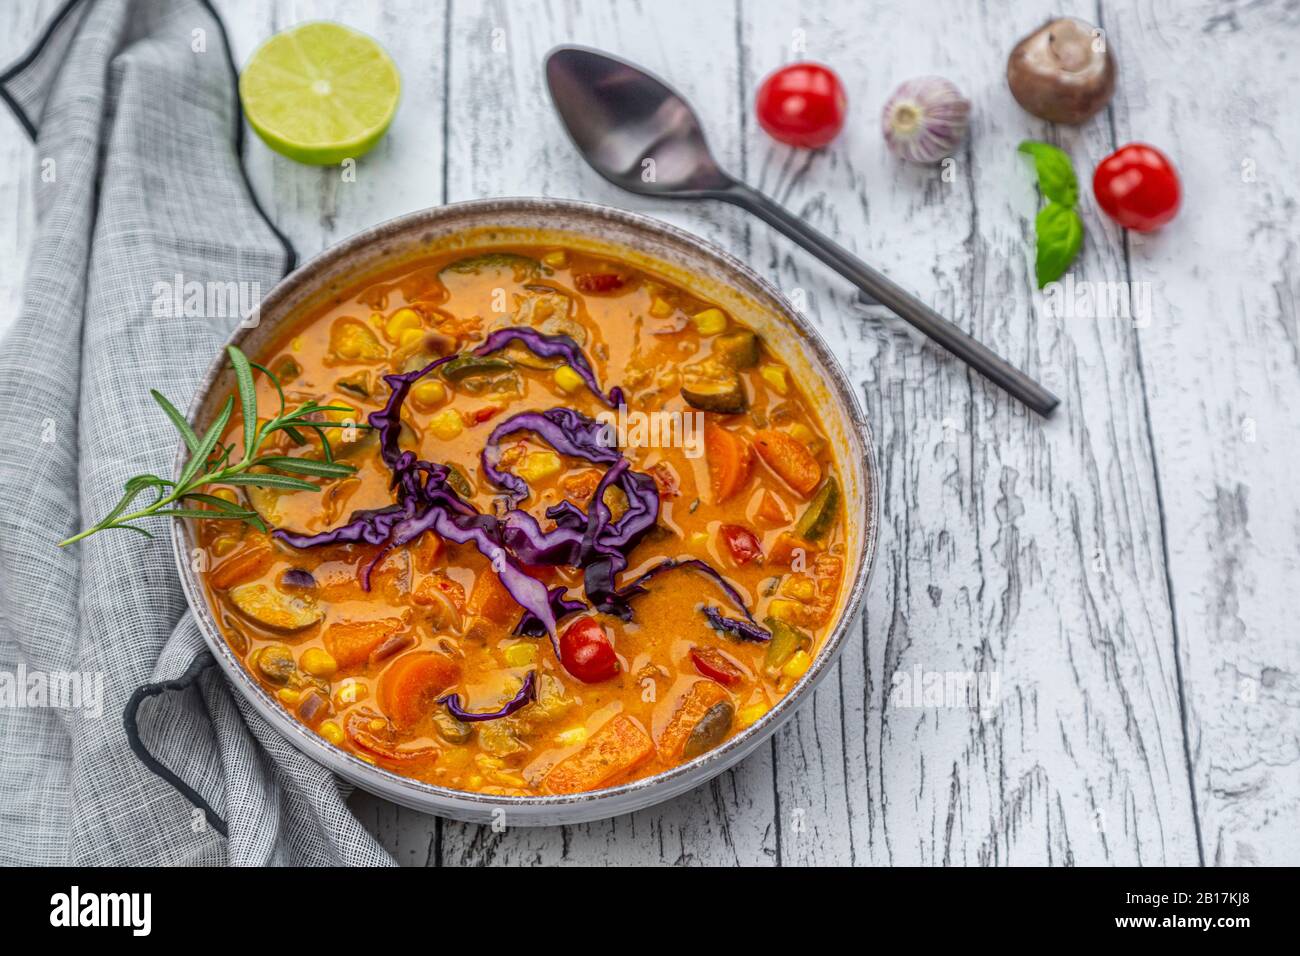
[
  {"x": 1213, "y": 86},
  {"x": 1025, "y": 549}
]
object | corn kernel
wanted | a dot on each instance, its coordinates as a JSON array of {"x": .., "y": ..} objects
[
  {"x": 800, "y": 588},
  {"x": 557, "y": 259},
  {"x": 568, "y": 379},
  {"x": 776, "y": 378},
  {"x": 710, "y": 321},
  {"x": 661, "y": 308},
  {"x": 288, "y": 695},
  {"x": 801, "y": 432},
  {"x": 427, "y": 393},
  {"x": 571, "y": 737},
  {"x": 748, "y": 716},
  {"x": 411, "y": 339},
  {"x": 296, "y": 344},
  {"x": 225, "y": 494},
  {"x": 224, "y": 545},
  {"x": 520, "y": 655},
  {"x": 447, "y": 424},
  {"x": 699, "y": 539},
  {"x": 349, "y": 692},
  {"x": 539, "y": 465},
  {"x": 319, "y": 663},
  {"x": 332, "y": 732},
  {"x": 788, "y": 611},
  {"x": 348, "y": 414},
  {"x": 401, "y": 322},
  {"x": 797, "y": 665}
]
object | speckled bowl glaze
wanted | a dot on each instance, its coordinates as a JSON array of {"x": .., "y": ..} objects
[{"x": 650, "y": 244}]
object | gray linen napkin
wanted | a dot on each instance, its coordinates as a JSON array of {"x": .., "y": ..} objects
[{"x": 120, "y": 741}]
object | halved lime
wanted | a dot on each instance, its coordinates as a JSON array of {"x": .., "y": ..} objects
[{"x": 320, "y": 92}]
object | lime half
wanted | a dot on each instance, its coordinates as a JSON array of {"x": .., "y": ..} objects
[{"x": 320, "y": 93}]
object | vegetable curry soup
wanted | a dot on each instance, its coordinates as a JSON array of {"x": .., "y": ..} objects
[{"x": 593, "y": 530}]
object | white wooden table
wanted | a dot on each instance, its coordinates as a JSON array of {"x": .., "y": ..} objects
[{"x": 1129, "y": 570}]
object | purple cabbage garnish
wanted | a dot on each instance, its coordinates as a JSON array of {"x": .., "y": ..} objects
[
  {"x": 527, "y": 694},
  {"x": 742, "y": 630},
  {"x": 551, "y": 346},
  {"x": 567, "y": 431},
  {"x": 298, "y": 578},
  {"x": 530, "y": 626}
]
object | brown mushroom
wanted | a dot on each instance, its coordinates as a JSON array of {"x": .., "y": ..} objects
[{"x": 1063, "y": 72}]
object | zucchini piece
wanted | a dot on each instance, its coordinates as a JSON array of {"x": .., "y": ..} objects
[
  {"x": 712, "y": 387},
  {"x": 786, "y": 642},
  {"x": 710, "y": 730},
  {"x": 523, "y": 267},
  {"x": 459, "y": 483},
  {"x": 821, "y": 511},
  {"x": 271, "y": 608},
  {"x": 474, "y": 366},
  {"x": 357, "y": 383},
  {"x": 738, "y": 349}
]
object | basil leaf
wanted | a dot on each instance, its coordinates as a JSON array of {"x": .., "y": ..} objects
[
  {"x": 1055, "y": 174},
  {"x": 1060, "y": 234}
]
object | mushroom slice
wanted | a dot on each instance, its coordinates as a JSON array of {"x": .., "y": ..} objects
[{"x": 270, "y": 608}]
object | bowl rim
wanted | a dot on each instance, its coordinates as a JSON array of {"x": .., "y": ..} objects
[{"x": 437, "y": 799}]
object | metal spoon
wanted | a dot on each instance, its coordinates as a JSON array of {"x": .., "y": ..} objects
[{"x": 620, "y": 117}]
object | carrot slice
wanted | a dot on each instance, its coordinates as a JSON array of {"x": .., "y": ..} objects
[
  {"x": 787, "y": 545},
  {"x": 411, "y": 684},
  {"x": 772, "y": 510},
  {"x": 617, "y": 747},
  {"x": 790, "y": 459},
  {"x": 729, "y": 461},
  {"x": 694, "y": 705},
  {"x": 350, "y": 642},
  {"x": 491, "y": 600},
  {"x": 250, "y": 561}
]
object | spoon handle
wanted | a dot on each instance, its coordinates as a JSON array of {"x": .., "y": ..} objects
[{"x": 895, "y": 298}]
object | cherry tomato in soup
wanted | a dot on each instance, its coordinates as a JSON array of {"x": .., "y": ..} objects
[
  {"x": 586, "y": 651},
  {"x": 715, "y": 666},
  {"x": 802, "y": 105},
  {"x": 742, "y": 543},
  {"x": 1138, "y": 187}
]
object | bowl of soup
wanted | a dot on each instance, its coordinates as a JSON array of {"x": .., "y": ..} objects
[{"x": 607, "y": 515}]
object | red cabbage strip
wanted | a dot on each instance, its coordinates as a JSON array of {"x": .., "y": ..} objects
[
  {"x": 567, "y": 431},
  {"x": 527, "y": 694},
  {"x": 748, "y": 629},
  {"x": 388, "y": 421},
  {"x": 551, "y": 346},
  {"x": 530, "y": 626},
  {"x": 744, "y": 630}
]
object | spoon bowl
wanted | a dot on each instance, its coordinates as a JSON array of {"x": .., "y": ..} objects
[{"x": 634, "y": 129}]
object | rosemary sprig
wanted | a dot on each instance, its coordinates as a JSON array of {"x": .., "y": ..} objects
[{"x": 210, "y": 460}]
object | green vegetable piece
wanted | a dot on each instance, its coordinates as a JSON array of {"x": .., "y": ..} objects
[
  {"x": 459, "y": 483},
  {"x": 785, "y": 643},
  {"x": 713, "y": 387},
  {"x": 358, "y": 384},
  {"x": 1060, "y": 235},
  {"x": 274, "y": 609},
  {"x": 473, "y": 366},
  {"x": 710, "y": 730},
  {"x": 738, "y": 349},
  {"x": 523, "y": 267},
  {"x": 450, "y": 729},
  {"x": 1055, "y": 173},
  {"x": 821, "y": 511}
]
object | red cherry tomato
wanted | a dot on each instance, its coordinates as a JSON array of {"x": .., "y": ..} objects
[
  {"x": 715, "y": 666},
  {"x": 802, "y": 105},
  {"x": 741, "y": 542},
  {"x": 1138, "y": 187},
  {"x": 586, "y": 651}
]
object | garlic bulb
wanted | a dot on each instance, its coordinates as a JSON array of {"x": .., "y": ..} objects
[{"x": 925, "y": 119}]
